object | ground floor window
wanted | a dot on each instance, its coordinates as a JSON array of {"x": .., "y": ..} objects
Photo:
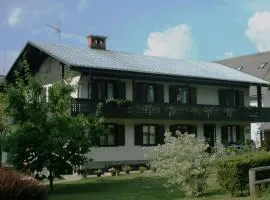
[
  {"x": 232, "y": 134},
  {"x": 109, "y": 138},
  {"x": 149, "y": 135}
]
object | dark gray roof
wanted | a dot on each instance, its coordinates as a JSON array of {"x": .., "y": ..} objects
[
  {"x": 112, "y": 60},
  {"x": 250, "y": 64}
]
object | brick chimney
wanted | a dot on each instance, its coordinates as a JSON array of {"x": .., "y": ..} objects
[{"x": 96, "y": 42}]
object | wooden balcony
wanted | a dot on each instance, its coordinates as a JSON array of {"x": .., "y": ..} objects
[{"x": 169, "y": 111}]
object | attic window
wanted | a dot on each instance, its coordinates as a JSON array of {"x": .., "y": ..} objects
[
  {"x": 240, "y": 68},
  {"x": 263, "y": 65}
]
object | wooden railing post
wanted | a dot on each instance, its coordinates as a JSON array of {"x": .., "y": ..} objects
[{"x": 252, "y": 184}]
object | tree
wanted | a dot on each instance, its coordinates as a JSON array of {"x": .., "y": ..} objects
[
  {"x": 183, "y": 160},
  {"x": 44, "y": 134},
  {"x": 3, "y": 122}
]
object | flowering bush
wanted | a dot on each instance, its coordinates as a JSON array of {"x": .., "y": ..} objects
[
  {"x": 14, "y": 185},
  {"x": 182, "y": 161}
]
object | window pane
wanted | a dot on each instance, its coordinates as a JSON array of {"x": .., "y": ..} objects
[
  {"x": 184, "y": 95},
  {"x": 111, "y": 139},
  {"x": 150, "y": 93},
  {"x": 152, "y": 138},
  {"x": 179, "y": 95},
  {"x": 100, "y": 91},
  {"x": 152, "y": 129},
  {"x": 145, "y": 129},
  {"x": 145, "y": 138},
  {"x": 110, "y": 91},
  {"x": 229, "y": 133},
  {"x": 234, "y": 133},
  {"x": 102, "y": 140}
]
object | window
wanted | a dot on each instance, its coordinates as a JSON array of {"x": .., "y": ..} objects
[
  {"x": 232, "y": 134},
  {"x": 109, "y": 138},
  {"x": 231, "y": 98},
  {"x": 149, "y": 135},
  {"x": 150, "y": 93},
  {"x": 110, "y": 91},
  {"x": 182, "y": 94}
]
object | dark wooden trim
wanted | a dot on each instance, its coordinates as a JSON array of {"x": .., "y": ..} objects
[{"x": 259, "y": 96}]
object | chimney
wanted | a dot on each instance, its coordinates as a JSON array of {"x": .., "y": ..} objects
[{"x": 96, "y": 42}]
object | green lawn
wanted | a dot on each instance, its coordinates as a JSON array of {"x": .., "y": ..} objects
[{"x": 129, "y": 187}]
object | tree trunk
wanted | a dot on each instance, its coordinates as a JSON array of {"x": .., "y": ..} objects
[{"x": 51, "y": 180}]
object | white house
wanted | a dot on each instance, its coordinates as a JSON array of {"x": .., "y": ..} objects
[
  {"x": 257, "y": 65},
  {"x": 144, "y": 96}
]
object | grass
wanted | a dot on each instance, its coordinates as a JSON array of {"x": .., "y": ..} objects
[{"x": 131, "y": 187}]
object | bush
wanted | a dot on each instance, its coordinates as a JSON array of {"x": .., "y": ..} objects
[
  {"x": 114, "y": 171},
  {"x": 85, "y": 172},
  {"x": 126, "y": 168},
  {"x": 98, "y": 172},
  {"x": 182, "y": 161},
  {"x": 233, "y": 170},
  {"x": 142, "y": 169},
  {"x": 14, "y": 185}
]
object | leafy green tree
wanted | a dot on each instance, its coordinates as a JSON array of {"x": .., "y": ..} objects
[
  {"x": 3, "y": 122},
  {"x": 182, "y": 161},
  {"x": 44, "y": 134}
]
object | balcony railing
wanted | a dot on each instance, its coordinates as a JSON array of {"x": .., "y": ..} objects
[{"x": 170, "y": 111}]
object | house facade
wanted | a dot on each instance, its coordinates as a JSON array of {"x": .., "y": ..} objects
[
  {"x": 257, "y": 65},
  {"x": 141, "y": 97}
]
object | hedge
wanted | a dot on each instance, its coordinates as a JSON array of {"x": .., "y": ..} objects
[{"x": 233, "y": 171}]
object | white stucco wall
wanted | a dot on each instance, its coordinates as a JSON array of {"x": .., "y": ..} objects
[{"x": 132, "y": 152}]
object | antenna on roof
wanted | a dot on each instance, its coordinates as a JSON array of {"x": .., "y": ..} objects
[{"x": 57, "y": 29}]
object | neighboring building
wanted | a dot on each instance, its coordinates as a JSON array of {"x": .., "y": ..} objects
[
  {"x": 256, "y": 65},
  {"x": 158, "y": 95}
]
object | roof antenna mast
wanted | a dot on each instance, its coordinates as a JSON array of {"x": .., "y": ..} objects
[{"x": 57, "y": 29}]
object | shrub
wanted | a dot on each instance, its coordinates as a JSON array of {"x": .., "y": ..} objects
[
  {"x": 233, "y": 170},
  {"x": 14, "y": 185},
  {"x": 98, "y": 172},
  {"x": 182, "y": 161},
  {"x": 126, "y": 168},
  {"x": 114, "y": 171},
  {"x": 142, "y": 169},
  {"x": 85, "y": 172}
]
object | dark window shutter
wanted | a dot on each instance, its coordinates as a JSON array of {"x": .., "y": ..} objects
[
  {"x": 172, "y": 94},
  {"x": 239, "y": 95},
  {"x": 221, "y": 97},
  {"x": 160, "y": 131},
  {"x": 121, "y": 90},
  {"x": 172, "y": 129},
  {"x": 139, "y": 92},
  {"x": 159, "y": 93},
  {"x": 138, "y": 135},
  {"x": 193, "y": 129},
  {"x": 120, "y": 135},
  {"x": 240, "y": 135},
  {"x": 192, "y": 95},
  {"x": 224, "y": 135},
  {"x": 94, "y": 90}
]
